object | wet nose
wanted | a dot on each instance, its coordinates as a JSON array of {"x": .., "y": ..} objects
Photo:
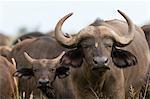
[
  {"x": 43, "y": 81},
  {"x": 100, "y": 60}
]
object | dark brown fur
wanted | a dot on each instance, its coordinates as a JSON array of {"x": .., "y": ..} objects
[{"x": 8, "y": 88}]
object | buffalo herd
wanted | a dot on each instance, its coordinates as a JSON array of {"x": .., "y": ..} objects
[{"x": 104, "y": 60}]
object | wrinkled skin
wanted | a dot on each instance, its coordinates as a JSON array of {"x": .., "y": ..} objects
[
  {"x": 8, "y": 84},
  {"x": 102, "y": 61},
  {"x": 41, "y": 49}
]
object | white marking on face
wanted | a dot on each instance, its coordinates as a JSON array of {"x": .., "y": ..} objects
[
  {"x": 43, "y": 62},
  {"x": 96, "y": 44}
]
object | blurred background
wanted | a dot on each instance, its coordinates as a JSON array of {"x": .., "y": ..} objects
[{"x": 19, "y": 17}]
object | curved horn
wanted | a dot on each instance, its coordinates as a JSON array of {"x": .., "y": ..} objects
[
  {"x": 57, "y": 59},
  {"x": 125, "y": 40},
  {"x": 19, "y": 40},
  {"x": 122, "y": 41},
  {"x": 14, "y": 62},
  {"x": 30, "y": 59},
  {"x": 60, "y": 36}
]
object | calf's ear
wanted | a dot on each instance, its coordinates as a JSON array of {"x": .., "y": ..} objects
[
  {"x": 122, "y": 58},
  {"x": 72, "y": 58},
  {"x": 25, "y": 73},
  {"x": 62, "y": 72}
]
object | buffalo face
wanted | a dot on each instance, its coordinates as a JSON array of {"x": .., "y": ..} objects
[
  {"x": 95, "y": 53},
  {"x": 98, "y": 44},
  {"x": 44, "y": 72}
]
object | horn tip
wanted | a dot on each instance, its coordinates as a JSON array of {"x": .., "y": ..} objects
[
  {"x": 122, "y": 13},
  {"x": 13, "y": 61},
  {"x": 119, "y": 11},
  {"x": 70, "y": 14},
  {"x": 63, "y": 52},
  {"x": 25, "y": 53}
]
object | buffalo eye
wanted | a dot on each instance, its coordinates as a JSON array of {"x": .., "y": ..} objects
[
  {"x": 36, "y": 70},
  {"x": 87, "y": 42},
  {"x": 52, "y": 70},
  {"x": 108, "y": 43},
  {"x": 86, "y": 45}
]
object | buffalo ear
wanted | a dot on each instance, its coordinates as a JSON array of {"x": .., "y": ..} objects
[
  {"x": 62, "y": 72},
  {"x": 25, "y": 73},
  {"x": 122, "y": 58},
  {"x": 72, "y": 58}
]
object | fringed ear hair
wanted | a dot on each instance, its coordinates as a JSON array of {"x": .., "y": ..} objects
[
  {"x": 25, "y": 73},
  {"x": 62, "y": 72},
  {"x": 122, "y": 58}
]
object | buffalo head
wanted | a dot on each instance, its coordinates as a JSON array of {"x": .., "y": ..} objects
[
  {"x": 98, "y": 44},
  {"x": 44, "y": 71}
]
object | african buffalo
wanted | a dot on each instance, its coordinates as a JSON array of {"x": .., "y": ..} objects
[
  {"x": 146, "y": 29},
  {"x": 28, "y": 36},
  {"x": 8, "y": 84},
  {"x": 104, "y": 48},
  {"x": 43, "y": 70}
]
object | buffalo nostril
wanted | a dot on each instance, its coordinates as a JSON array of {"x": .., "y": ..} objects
[
  {"x": 95, "y": 61},
  {"x": 43, "y": 82},
  {"x": 46, "y": 82},
  {"x": 106, "y": 61},
  {"x": 100, "y": 60}
]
